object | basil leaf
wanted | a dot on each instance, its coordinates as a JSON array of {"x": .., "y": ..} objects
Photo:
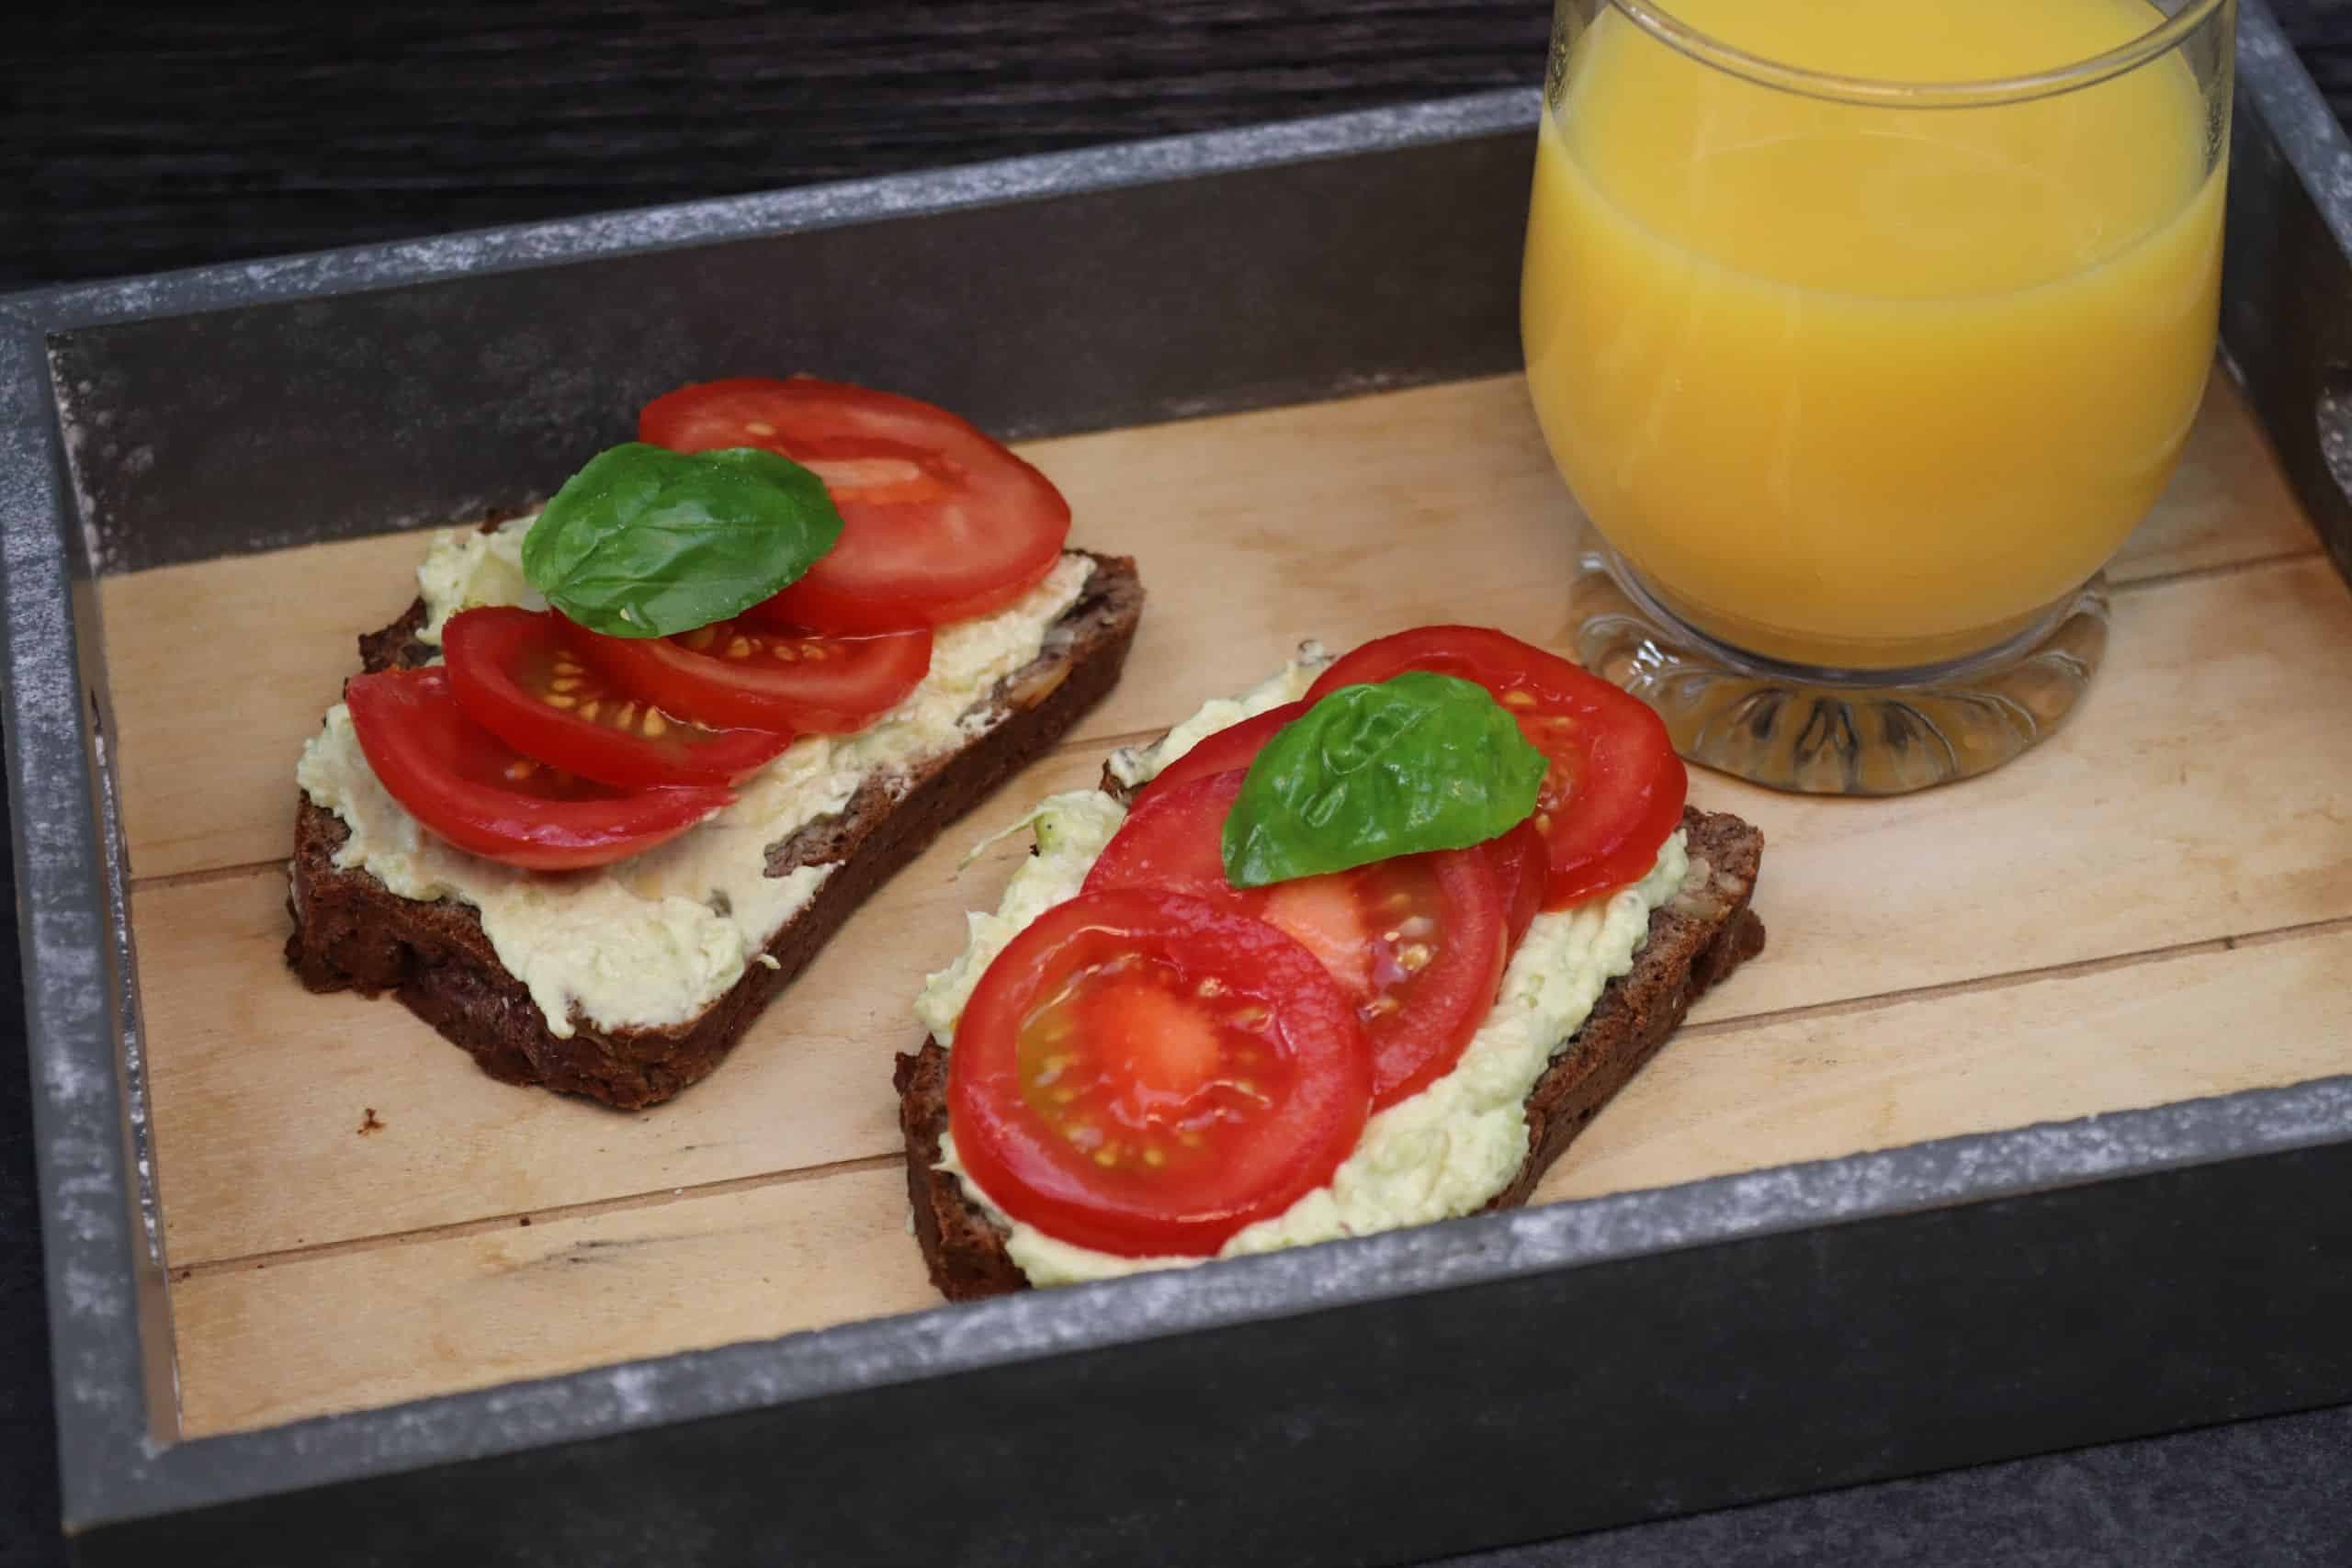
[
  {"x": 1421, "y": 762},
  {"x": 645, "y": 542}
]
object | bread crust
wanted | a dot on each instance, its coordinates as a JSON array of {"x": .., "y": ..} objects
[
  {"x": 351, "y": 931},
  {"x": 1695, "y": 939}
]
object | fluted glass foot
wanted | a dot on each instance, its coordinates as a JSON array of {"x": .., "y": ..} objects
[{"x": 1830, "y": 731}]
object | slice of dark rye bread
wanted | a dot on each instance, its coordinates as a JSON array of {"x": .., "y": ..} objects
[
  {"x": 1695, "y": 939},
  {"x": 351, "y": 931}
]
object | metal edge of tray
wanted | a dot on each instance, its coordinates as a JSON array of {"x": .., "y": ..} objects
[
  {"x": 118, "y": 1478},
  {"x": 1934, "y": 1306},
  {"x": 2290, "y": 225}
]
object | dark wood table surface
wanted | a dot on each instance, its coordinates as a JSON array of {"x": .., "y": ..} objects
[{"x": 149, "y": 137}]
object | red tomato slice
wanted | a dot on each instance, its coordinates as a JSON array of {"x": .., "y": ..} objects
[
  {"x": 1234, "y": 746},
  {"x": 1616, "y": 788},
  {"x": 939, "y": 523},
  {"x": 1145, "y": 1074},
  {"x": 1416, "y": 942},
  {"x": 1522, "y": 859},
  {"x": 734, "y": 673},
  {"x": 483, "y": 795},
  {"x": 517, "y": 675}
]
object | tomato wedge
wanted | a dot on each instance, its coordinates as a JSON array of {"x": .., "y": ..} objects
[
  {"x": 1145, "y": 1074},
  {"x": 1616, "y": 789},
  {"x": 1416, "y": 942},
  {"x": 939, "y": 523},
  {"x": 517, "y": 675},
  {"x": 473, "y": 789},
  {"x": 1234, "y": 746},
  {"x": 733, "y": 673}
]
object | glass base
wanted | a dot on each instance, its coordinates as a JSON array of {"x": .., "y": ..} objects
[{"x": 1835, "y": 731}]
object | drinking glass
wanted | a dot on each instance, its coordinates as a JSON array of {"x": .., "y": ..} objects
[{"x": 1863, "y": 331}]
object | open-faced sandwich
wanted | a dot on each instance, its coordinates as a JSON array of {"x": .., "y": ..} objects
[
  {"x": 1362, "y": 948},
  {"x": 630, "y": 760}
]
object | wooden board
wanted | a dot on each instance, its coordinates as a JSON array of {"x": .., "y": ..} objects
[
  {"x": 2076, "y": 932},
  {"x": 270, "y": 1340}
]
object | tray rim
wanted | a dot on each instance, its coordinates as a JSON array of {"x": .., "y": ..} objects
[{"x": 66, "y": 847}]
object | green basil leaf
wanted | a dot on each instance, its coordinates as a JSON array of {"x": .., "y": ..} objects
[
  {"x": 1422, "y": 761},
  {"x": 646, "y": 542}
]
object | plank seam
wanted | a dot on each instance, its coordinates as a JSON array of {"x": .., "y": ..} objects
[
  {"x": 2014, "y": 979},
  {"x": 554, "y": 1214},
  {"x": 2215, "y": 570}
]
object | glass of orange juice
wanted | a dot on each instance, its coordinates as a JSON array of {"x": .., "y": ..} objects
[{"x": 1864, "y": 330}]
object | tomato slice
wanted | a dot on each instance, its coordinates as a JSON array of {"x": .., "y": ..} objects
[
  {"x": 1234, "y": 746},
  {"x": 939, "y": 523},
  {"x": 1616, "y": 789},
  {"x": 1521, "y": 860},
  {"x": 735, "y": 673},
  {"x": 1145, "y": 1074},
  {"x": 518, "y": 674},
  {"x": 1417, "y": 942},
  {"x": 479, "y": 794}
]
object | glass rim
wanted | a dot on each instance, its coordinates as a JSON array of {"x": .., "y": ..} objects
[{"x": 1656, "y": 17}]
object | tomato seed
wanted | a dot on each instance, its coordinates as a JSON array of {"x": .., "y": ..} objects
[
  {"x": 701, "y": 637},
  {"x": 739, "y": 649},
  {"x": 654, "y": 722},
  {"x": 564, "y": 683},
  {"x": 1153, "y": 1158},
  {"x": 559, "y": 699},
  {"x": 588, "y": 709},
  {"x": 627, "y": 717}
]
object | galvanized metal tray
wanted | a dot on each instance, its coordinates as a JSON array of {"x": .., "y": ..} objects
[{"x": 1378, "y": 1400}]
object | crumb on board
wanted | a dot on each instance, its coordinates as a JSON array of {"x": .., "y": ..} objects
[{"x": 368, "y": 1122}]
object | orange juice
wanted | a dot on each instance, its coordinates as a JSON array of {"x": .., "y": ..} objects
[{"x": 1870, "y": 386}]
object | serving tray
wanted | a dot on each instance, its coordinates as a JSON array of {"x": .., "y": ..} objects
[{"x": 2027, "y": 1130}]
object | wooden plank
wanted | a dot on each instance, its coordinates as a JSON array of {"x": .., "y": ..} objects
[
  {"x": 307, "y": 1335},
  {"x": 1746, "y": 1097},
  {"x": 2204, "y": 791},
  {"x": 217, "y": 673},
  {"x": 1341, "y": 520},
  {"x": 264, "y": 1343}
]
